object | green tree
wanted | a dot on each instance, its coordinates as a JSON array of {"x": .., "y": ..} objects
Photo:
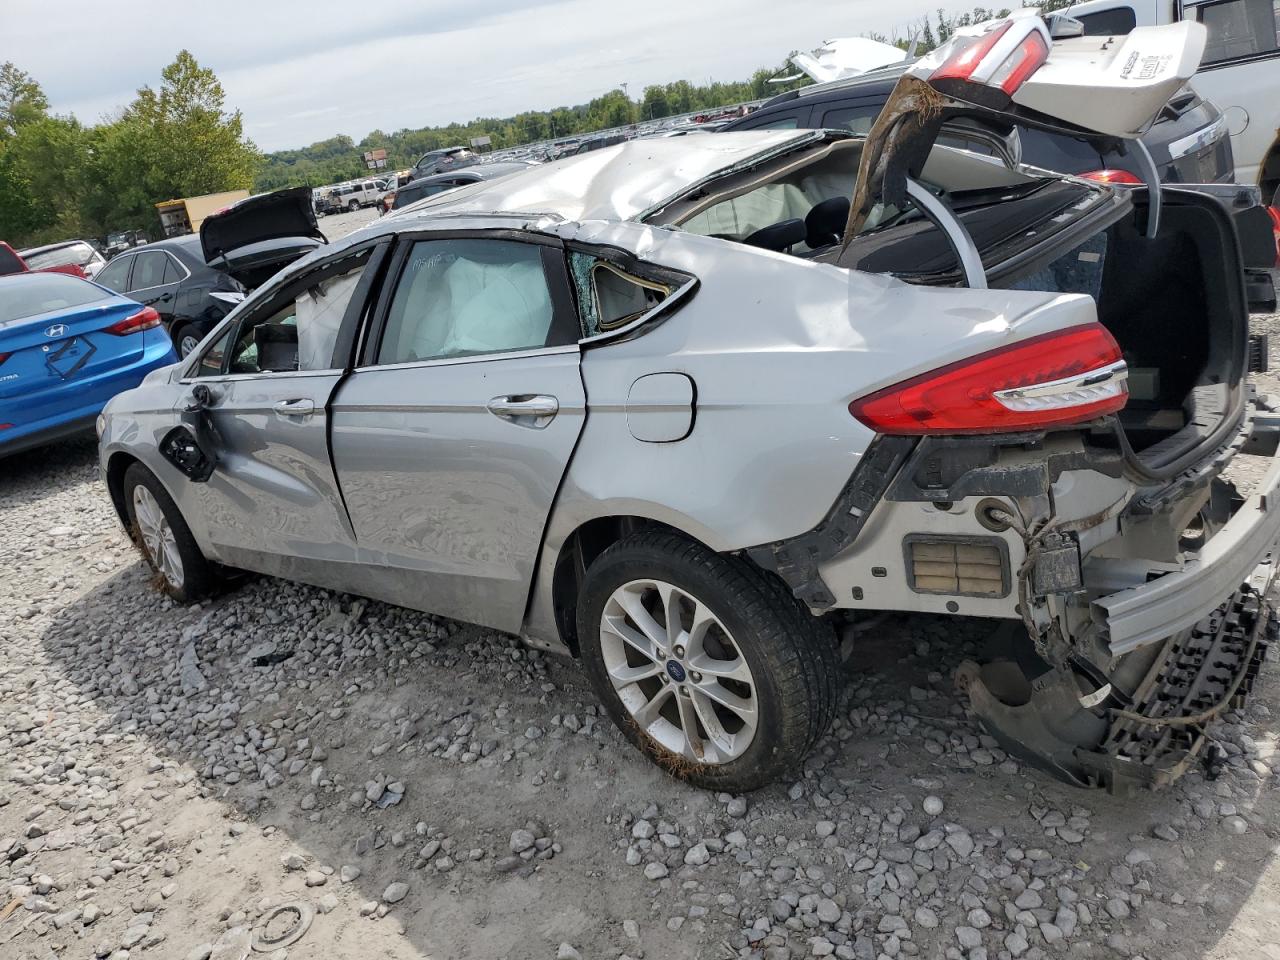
[{"x": 21, "y": 100}]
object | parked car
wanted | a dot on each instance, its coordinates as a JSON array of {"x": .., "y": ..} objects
[
  {"x": 415, "y": 190},
  {"x": 1188, "y": 140},
  {"x": 353, "y": 196},
  {"x": 1240, "y": 71},
  {"x": 67, "y": 346},
  {"x": 194, "y": 281},
  {"x": 599, "y": 143},
  {"x": 650, "y": 409},
  {"x": 122, "y": 240},
  {"x": 70, "y": 253},
  {"x": 439, "y": 161},
  {"x": 10, "y": 261}
]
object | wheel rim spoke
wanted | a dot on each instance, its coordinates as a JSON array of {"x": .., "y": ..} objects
[
  {"x": 735, "y": 669},
  {"x": 658, "y": 642},
  {"x": 643, "y": 619},
  {"x": 619, "y": 627},
  {"x": 692, "y": 735},
  {"x": 720, "y": 739},
  {"x": 625, "y": 675},
  {"x": 713, "y": 691},
  {"x": 648, "y": 713}
]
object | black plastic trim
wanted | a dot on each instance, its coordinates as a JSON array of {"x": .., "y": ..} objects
[{"x": 796, "y": 559}]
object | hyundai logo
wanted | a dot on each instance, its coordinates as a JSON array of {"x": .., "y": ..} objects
[{"x": 57, "y": 330}]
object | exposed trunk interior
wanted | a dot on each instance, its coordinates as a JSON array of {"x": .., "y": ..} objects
[{"x": 1176, "y": 306}]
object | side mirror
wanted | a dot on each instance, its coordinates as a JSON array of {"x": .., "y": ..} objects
[{"x": 1063, "y": 27}]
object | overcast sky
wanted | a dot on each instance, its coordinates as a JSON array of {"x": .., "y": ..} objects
[{"x": 304, "y": 71}]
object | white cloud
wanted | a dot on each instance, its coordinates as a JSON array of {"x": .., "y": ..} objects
[{"x": 301, "y": 72}]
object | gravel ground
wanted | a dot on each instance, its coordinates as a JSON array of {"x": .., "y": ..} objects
[{"x": 419, "y": 788}]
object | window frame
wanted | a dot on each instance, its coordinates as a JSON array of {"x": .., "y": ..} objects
[
  {"x": 1192, "y": 11},
  {"x": 125, "y": 258},
  {"x": 555, "y": 270},
  {"x": 152, "y": 286},
  {"x": 273, "y": 300},
  {"x": 801, "y": 113}
]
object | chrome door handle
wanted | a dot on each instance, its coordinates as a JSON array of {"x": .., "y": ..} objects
[
  {"x": 528, "y": 410},
  {"x": 294, "y": 408}
]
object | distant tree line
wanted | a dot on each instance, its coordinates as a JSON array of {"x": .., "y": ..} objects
[
  {"x": 339, "y": 158},
  {"x": 61, "y": 179}
]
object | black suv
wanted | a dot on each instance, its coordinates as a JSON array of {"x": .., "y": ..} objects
[{"x": 1189, "y": 141}]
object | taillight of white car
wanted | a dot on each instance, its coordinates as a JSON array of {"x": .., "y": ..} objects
[
  {"x": 1070, "y": 376},
  {"x": 987, "y": 63}
]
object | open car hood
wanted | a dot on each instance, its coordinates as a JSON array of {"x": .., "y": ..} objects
[
  {"x": 1013, "y": 70},
  {"x": 254, "y": 238}
]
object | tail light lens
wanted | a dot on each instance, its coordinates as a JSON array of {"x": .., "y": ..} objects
[
  {"x": 4, "y": 357},
  {"x": 1112, "y": 176},
  {"x": 146, "y": 319},
  {"x": 1003, "y": 57},
  {"x": 1058, "y": 378}
]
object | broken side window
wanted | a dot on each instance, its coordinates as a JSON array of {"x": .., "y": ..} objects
[{"x": 610, "y": 297}]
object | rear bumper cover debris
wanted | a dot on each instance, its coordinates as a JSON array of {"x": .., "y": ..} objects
[{"x": 1161, "y": 730}]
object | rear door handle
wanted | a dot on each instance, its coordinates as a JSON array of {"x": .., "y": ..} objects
[
  {"x": 302, "y": 407},
  {"x": 527, "y": 410}
]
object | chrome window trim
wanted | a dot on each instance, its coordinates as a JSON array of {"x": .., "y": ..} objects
[
  {"x": 237, "y": 377},
  {"x": 1199, "y": 139},
  {"x": 477, "y": 358}
]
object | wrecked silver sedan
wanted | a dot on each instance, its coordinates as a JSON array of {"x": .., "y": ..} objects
[{"x": 681, "y": 409}]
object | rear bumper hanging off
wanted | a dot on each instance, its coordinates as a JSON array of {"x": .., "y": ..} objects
[{"x": 1160, "y": 730}]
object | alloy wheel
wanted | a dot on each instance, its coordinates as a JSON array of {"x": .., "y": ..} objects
[
  {"x": 157, "y": 536},
  {"x": 186, "y": 345},
  {"x": 678, "y": 672}
]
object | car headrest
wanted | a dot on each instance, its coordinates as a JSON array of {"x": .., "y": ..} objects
[
  {"x": 277, "y": 346},
  {"x": 778, "y": 236},
  {"x": 824, "y": 224}
]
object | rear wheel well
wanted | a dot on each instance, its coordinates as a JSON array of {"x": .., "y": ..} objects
[{"x": 579, "y": 550}]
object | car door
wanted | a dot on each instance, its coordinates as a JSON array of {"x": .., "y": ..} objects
[
  {"x": 452, "y": 435},
  {"x": 1240, "y": 73},
  {"x": 259, "y": 396},
  {"x": 154, "y": 283},
  {"x": 115, "y": 275}
]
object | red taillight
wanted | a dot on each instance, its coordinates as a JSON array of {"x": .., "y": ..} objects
[
  {"x": 1112, "y": 176},
  {"x": 987, "y": 59},
  {"x": 1275, "y": 229},
  {"x": 145, "y": 320},
  {"x": 962, "y": 64},
  {"x": 1022, "y": 63},
  {"x": 1066, "y": 377},
  {"x": 4, "y": 357}
]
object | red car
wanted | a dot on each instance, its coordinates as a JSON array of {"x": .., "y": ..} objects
[{"x": 11, "y": 262}]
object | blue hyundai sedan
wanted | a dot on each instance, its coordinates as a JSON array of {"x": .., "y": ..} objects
[{"x": 67, "y": 346}]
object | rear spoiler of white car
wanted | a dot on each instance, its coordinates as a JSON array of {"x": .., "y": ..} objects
[{"x": 1014, "y": 70}]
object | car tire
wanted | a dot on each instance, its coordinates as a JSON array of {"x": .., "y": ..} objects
[
  {"x": 769, "y": 715},
  {"x": 185, "y": 339},
  {"x": 353, "y": 206},
  {"x": 164, "y": 538}
]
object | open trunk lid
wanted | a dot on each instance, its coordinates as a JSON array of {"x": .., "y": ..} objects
[
  {"x": 254, "y": 238},
  {"x": 1104, "y": 89}
]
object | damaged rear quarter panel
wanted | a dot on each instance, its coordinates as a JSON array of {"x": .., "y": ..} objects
[{"x": 777, "y": 347}]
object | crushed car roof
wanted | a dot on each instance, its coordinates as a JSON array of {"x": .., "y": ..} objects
[{"x": 616, "y": 183}]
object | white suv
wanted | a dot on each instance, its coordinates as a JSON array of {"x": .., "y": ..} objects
[{"x": 353, "y": 196}]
